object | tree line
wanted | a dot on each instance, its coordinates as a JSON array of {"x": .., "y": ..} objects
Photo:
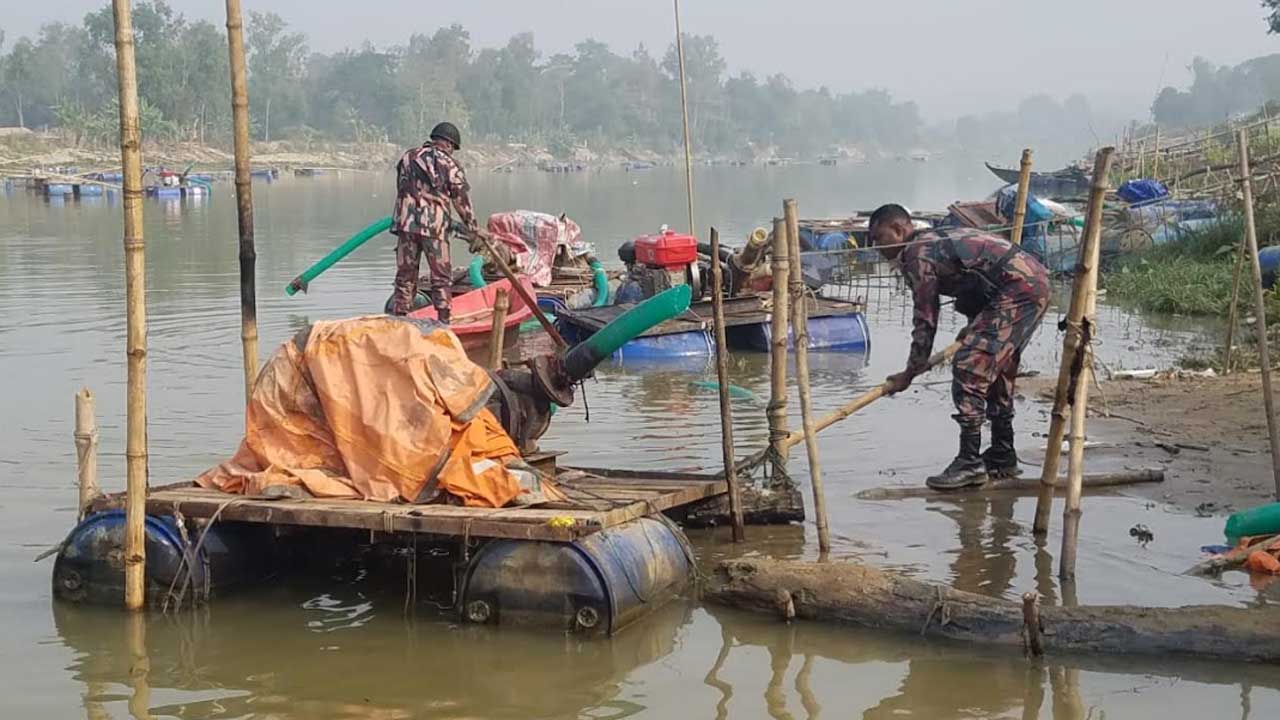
[{"x": 65, "y": 78}]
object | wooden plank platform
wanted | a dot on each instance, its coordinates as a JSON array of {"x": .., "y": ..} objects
[{"x": 599, "y": 500}]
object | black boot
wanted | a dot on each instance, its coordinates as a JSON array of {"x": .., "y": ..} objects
[
  {"x": 967, "y": 469},
  {"x": 1001, "y": 459}
]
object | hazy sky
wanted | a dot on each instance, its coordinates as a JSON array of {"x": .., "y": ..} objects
[{"x": 951, "y": 56}]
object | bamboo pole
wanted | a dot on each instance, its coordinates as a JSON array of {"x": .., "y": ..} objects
[
  {"x": 863, "y": 400},
  {"x": 1155, "y": 157},
  {"x": 800, "y": 321},
  {"x": 1071, "y": 513},
  {"x": 684, "y": 112},
  {"x": 1260, "y": 305},
  {"x": 722, "y": 377},
  {"x": 498, "y": 333},
  {"x": 86, "y": 437},
  {"x": 777, "y": 410},
  {"x": 1020, "y": 203},
  {"x": 135, "y": 312},
  {"x": 244, "y": 197},
  {"x": 1086, "y": 277},
  {"x": 1235, "y": 300}
]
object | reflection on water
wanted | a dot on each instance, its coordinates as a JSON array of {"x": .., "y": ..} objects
[{"x": 346, "y": 649}]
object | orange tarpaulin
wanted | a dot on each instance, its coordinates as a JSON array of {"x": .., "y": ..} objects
[{"x": 372, "y": 408}]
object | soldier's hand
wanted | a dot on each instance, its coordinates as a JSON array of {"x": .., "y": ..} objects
[{"x": 899, "y": 382}]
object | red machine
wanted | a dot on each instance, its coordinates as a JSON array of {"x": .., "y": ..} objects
[{"x": 668, "y": 250}]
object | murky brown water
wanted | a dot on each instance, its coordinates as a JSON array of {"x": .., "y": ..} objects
[{"x": 341, "y": 647}]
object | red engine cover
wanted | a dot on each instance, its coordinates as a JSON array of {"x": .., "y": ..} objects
[{"x": 666, "y": 250}]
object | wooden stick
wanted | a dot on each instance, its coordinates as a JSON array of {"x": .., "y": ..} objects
[
  {"x": 1155, "y": 159},
  {"x": 1031, "y": 632},
  {"x": 1235, "y": 300},
  {"x": 1101, "y": 481},
  {"x": 722, "y": 377},
  {"x": 525, "y": 297},
  {"x": 1259, "y": 305},
  {"x": 1086, "y": 276},
  {"x": 498, "y": 331},
  {"x": 1020, "y": 203},
  {"x": 684, "y": 112},
  {"x": 800, "y": 320},
  {"x": 86, "y": 450},
  {"x": 862, "y": 401},
  {"x": 135, "y": 313},
  {"x": 244, "y": 197},
  {"x": 777, "y": 409}
]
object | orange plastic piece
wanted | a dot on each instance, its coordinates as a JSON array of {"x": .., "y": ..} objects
[
  {"x": 370, "y": 408},
  {"x": 1262, "y": 562}
]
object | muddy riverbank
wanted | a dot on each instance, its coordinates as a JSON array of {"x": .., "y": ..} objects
[{"x": 1208, "y": 433}]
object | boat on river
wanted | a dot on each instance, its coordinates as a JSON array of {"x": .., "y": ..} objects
[
  {"x": 1068, "y": 183},
  {"x": 472, "y": 312}
]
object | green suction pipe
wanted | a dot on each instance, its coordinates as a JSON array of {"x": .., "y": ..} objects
[
  {"x": 343, "y": 250},
  {"x": 474, "y": 274},
  {"x": 660, "y": 308},
  {"x": 602, "y": 284}
]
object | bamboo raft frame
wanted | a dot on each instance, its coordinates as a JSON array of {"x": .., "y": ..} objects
[{"x": 599, "y": 499}]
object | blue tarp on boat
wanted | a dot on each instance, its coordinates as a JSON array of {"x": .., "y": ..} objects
[{"x": 1142, "y": 191}]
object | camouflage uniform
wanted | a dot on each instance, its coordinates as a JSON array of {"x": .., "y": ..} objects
[
  {"x": 986, "y": 365},
  {"x": 427, "y": 180}
]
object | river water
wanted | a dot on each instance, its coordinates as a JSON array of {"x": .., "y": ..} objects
[{"x": 344, "y": 648}]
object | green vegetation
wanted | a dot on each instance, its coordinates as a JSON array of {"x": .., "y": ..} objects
[
  {"x": 1191, "y": 276},
  {"x": 509, "y": 94}
]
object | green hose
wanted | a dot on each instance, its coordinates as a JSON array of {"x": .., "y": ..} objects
[
  {"x": 474, "y": 274},
  {"x": 602, "y": 284},
  {"x": 343, "y": 250},
  {"x": 654, "y": 311}
]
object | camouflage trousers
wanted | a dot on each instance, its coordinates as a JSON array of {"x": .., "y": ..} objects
[
  {"x": 985, "y": 367},
  {"x": 409, "y": 251}
]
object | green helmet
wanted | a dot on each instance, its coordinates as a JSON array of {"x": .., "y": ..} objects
[{"x": 447, "y": 131}]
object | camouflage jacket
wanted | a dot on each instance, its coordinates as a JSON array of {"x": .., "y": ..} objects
[
  {"x": 946, "y": 262},
  {"x": 427, "y": 180}
]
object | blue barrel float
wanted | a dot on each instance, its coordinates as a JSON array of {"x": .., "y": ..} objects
[{"x": 90, "y": 564}]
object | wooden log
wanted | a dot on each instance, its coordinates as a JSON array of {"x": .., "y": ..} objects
[
  {"x": 1020, "y": 202},
  {"x": 1073, "y": 339},
  {"x": 722, "y": 377},
  {"x": 867, "y": 597},
  {"x": 800, "y": 320},
  {"x": 1014, "y": 485},
  {"x": 863, "y": 400},
  {"x": 244, "y": 197},
  {"x": 1032, "y": 632},
  {"x": 684, "y": 115},
  {"x": 1259, "y": 305},
  {"x": 86, "y": 437},
  {"x": 760, "y": 504},
  {"x": 498, "y": 332},
  {"x": 777, "y": 409},
  {"x": 135, "y": 311}
]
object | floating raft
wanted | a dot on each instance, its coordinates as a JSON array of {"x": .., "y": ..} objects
[
  {"x": 592, "y": 565},
  {"x": 833, "y": 325}
]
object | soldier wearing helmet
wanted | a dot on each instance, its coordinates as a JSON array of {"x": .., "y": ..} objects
[{"x": 428, "y": 181}]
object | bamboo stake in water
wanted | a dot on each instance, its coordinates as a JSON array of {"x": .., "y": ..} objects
[
  {"x": 1020, "y": 203},
  {"x": 800, "y": 321},
  {"x": 1086, "y": 277},
  {"x": 135, "y": 312},
  {"x": 684, "y": 112},
  {"x": 1071, "y": 513},
  {"x": 86, "y": 450},
  {"x": 498, "y": 332},
  {"x": 777, "y": 410},
  {"x": 722, "y": 377},
  {"x": 1259, "y": 303},
  {"x": 1232, "y": 319},
  {"x": 244, "y": 197}
]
